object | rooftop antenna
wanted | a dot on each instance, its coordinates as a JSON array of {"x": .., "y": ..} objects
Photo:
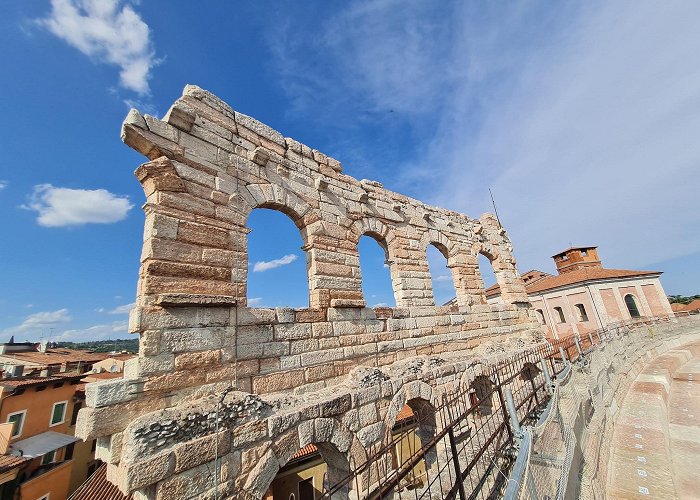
[{"x": 494, "y": 208}]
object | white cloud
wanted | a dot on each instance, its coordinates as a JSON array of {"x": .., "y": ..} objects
[
  {"x": 261, "y": 266},
  {"x": 254, "y": 301},
  {"x": 40, "y": 323},
  {"x": 114, "y": 330},
  {"x": 443, "y": 278},
  {"x": 381, "y": 304},
  {"x": 123, "y": 309},
  {"x": 109, "y": 31},
  {"x": 582, "y": 118},
  {"x": 3, "y": 185},
  {"x": 596, "y": 142},
  {"x": 58, "y": 207}
]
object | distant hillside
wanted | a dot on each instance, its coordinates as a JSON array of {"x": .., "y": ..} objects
[
  {"x": 681, "y": 299},
  {"x": 129, "y": 345}
]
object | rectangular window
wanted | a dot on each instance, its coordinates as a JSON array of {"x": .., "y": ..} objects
[
  {"x": 69, "y": 451},
  {"x": 58, "y": 414},
  {"x": 48, "y": 458},
  {"x": 17, "y": 419}
]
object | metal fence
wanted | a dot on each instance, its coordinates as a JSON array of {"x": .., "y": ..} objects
[{"x": 466, "y": 447}]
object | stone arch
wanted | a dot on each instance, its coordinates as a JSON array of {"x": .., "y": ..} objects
[
  {"x": 338, "y": 446},
  {"x": 385, "y": 238},
  {"x": 440, "y": 241},
  {"x": 511, "y": 285}
]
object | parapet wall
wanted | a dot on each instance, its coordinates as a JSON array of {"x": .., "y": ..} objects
[{"x": 258, "y": 378}]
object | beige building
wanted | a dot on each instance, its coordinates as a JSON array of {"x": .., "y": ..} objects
[{"x": 584, "y": 296}]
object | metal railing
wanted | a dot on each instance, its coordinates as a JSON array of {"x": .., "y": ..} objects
[{"x": 466, "y": 447}]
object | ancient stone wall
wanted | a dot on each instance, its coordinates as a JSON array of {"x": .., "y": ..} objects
[{"x": 334, "y": 374}]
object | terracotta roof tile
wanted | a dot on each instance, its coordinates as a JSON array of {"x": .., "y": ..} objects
[
  {"x": 306, "y": 451},
  {"x": 8, "y": 462},
  {"x": 583, "y": 275},
  {"x": 98, "y": 488},
  {"x": 549, "y": 282},
  {"x": 36, "y": 380},
  {"x": 693, "y": 306},
  {"x": 56, "y": 356}
]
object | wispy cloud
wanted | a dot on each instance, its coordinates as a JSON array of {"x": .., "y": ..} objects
[
  {"x": 254, "y": 301},
  {"x": 262, "y": 265},
  {"x": 109, "y": 31},
  {"x": 3, "y": 185},
  {"x": 40, "y": 323},
  {"x": 582, "y": 118},
  {"x": 123, "y": 309},
  {"x": 73, "y": 207}
]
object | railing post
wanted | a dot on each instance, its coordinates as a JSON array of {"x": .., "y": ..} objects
[
  {"x": 578, "y": 346},
  {"x": 504, "y": 410},
  {"x": 512, "y": 412},
  {"x": 455, "y": 461},
  {"x": 564, "y": 357},
  {"x": 547, "y": 377},
  {"x": 590, "y": 337}
]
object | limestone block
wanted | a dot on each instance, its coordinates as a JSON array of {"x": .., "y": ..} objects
[
  {"x": 198, "y": 451},
  {"x": 371, "y": 434},
  {"x": 145, "y": 472},
  {"x": 110, "y": 392},
  {"x": 292, "y": 331},
  {"x": 285, "y": 314}
]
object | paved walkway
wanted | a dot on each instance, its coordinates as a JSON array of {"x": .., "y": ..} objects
[{"x": 656, "y": 444}]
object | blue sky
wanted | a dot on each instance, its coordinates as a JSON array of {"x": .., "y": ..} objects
[{"x": 581, "y": 116}]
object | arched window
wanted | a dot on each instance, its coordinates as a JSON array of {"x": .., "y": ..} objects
[
  {"x": 581, "y": 310},
  {"x": 560, "y": 314},
  {"x": 488, "y": 277},
  {"x": 376, "y": 276},
  {"x": 277, "y": 273},
  {"x": 443, "y": 282},
  {"x": 632, "y": 306},
  {"x": 540, "y": 316}
]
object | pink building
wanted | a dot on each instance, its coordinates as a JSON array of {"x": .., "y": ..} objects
[{"x": 584, "y": 296}]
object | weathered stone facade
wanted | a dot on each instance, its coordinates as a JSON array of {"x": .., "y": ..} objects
[{"x": 334, "y": 374}]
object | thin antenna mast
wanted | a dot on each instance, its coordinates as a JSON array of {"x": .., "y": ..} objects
[{"x": 494, "y": 208}]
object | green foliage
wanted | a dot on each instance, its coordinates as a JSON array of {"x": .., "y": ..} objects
[
  {"x": 128, "y": 345},
  {"x": 681, "y": 299}
]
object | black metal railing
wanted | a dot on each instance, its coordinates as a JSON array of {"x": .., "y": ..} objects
[{"x": 464, "y": 448}]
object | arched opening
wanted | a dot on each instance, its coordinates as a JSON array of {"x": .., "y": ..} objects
[
  {"x": 540, "y": 317},
  {"x": 631, "y": 304},
  {"x": 481, "y": 395},
  {"x": 489, "y": 291},
  {"x": 443, "y": 281},
  {"x": 559, "y": 314},
  {"x": 376, "y": 275},
  {"x": 581, "y": 311},
  {"x": 309, "y": 473},
  {"x": 277, "y": 269},
  {"x": 415, "y": 426}
]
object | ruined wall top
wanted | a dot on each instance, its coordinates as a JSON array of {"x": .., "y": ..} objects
[{"x": 211, "y": 166}]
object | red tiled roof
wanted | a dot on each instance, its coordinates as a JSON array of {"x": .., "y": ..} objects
[
  {"x": 550, "y": 282},
  {"x": 8, "y": 462},
  {"x": 306, "y": 451},
  {"x": 56, "y": 356},
  {"x": 404, "y": 414},
  {"x": 12, "y": 383},
  {"x": 693, "y": 306},
  {"x": 98, "y": 488},
  {"x": 583, "y": 275}
]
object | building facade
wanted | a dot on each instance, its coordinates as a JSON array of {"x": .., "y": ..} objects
[{"x": 584, "y": 296}]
